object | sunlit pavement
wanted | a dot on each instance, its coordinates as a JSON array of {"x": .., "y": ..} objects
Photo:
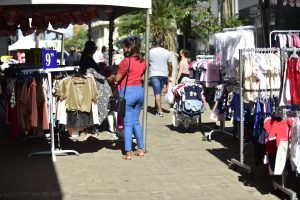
[{"x": 177, "y": 165}]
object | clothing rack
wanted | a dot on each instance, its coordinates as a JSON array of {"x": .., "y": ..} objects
[
  {"x": 250, "y": 27},
  {"x": 281, "y": 186},
  {"x": 221, "y": 129},
  {"x": 207, "y": 135},
  {"x": 240, "y": 163},
  {"x": 239, "y": 28},
  {"x": 280, "y": 31},
  {"x": 208, "y": 57},
  {"x": 185, "y": 120},
  {"x": 53, "y": 151}
]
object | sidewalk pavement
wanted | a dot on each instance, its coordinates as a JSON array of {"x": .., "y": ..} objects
[{"x": 178, "y": 165}]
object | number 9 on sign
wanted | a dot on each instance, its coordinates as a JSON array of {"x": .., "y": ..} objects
[{"x": 49, "y": 58}]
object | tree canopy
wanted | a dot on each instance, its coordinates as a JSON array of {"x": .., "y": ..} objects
[
  {"x": 78, "y": 39},
  {"x": 168, "y": 16}
]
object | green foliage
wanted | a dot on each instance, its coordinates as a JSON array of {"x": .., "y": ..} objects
[
  {"x": 162, "y": 14},
  {"x": 233, "y": 22},
  {"x": 78, "y": 40},
  {"x": 198, "y": 22},
  {"x": 204, "y": 23},
  {"x": 183, "y": 10},
  {"x": 132, "y": 24}
]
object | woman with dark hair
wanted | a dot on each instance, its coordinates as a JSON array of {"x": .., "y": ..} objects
[
  {"x": 87, "y": 65},
  {"x": 183, "y": 66},
  {"x": 86, "y": 59},
  {"x": 133, "y": 66}
]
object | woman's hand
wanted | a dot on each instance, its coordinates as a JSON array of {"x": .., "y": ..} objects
[{"x": 111, "y": 78}]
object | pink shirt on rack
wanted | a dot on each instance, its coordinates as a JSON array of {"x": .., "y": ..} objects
[
  {"x": 296, "y": 40},
  {"x": 212, "y": 75}
]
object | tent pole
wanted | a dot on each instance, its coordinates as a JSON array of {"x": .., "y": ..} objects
[
  {"x": 90, "y": 31},
  {"x": 146, "y": 77},
  {"x": 110, "y": 39}
]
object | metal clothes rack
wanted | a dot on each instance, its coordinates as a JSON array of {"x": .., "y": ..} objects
[
  {"x": 207, "y": 135},
  {"x": 221, "y": 129},
  {"x": 250, "y": 27},
  {"x": 281, "y": 186},
  {"x": 280, "y": 31},
  {"x": 240, "y": 163},
  {"x": 239, "y": 28},
  {"x": 185, "y": 120},
  {"x": 53, "y": 151},
  {"x": 206, "y": 57}
]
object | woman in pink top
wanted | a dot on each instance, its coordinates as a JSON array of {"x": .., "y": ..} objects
[
  {"x": 133, "y": 66},
  {"x": 183, "y": 66}
]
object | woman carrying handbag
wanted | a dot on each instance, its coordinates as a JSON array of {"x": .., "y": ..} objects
[{"x": 129, "y": 76}]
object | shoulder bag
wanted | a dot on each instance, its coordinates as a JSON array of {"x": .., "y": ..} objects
[{"x": 121, "y": 103}]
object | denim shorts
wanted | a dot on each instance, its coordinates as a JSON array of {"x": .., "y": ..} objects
[{"x": 158, "y": 83}]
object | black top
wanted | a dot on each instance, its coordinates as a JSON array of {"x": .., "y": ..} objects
[{"x": 87, "y": 61}]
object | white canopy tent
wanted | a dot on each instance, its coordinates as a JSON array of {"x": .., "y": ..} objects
[
  {"x": 108, "y": 11},
  {"x": 23, "y": 43}
]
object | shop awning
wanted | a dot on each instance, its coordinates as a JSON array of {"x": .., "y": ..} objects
[
  {"x": 60, "y": 13},
  {"x": 63, "y": 12},
  {"x": 23, "y": 43}
]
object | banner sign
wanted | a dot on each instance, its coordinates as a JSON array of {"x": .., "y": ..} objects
[{"x": 49, "y": 58}]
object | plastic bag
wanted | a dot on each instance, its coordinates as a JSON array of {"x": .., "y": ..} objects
[{"x": 170, "y": 95}]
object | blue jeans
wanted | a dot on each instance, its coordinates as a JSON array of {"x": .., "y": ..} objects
[
  {"x": 134, "y": 101},
  {"x": 158, "y": 83}
]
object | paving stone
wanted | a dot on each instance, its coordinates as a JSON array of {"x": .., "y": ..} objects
[{"x": 178, "y": 165}]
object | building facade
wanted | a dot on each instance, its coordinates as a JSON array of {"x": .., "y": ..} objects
[{"x": 100, "y": 33}]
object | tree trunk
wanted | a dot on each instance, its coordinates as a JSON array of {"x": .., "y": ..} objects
[{"x": 228, "y": 9}]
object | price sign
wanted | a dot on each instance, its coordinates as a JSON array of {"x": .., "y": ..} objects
[{"x": 49, "y": 58}]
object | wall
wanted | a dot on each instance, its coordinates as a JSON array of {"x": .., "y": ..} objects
[{"x": 247, "y": 3}]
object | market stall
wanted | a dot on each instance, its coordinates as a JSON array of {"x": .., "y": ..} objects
[{"x": 62, "y": 13}]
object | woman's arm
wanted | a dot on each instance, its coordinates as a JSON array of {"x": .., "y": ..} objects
[
  {"x": 179, "y": 72},
  {"x": 121, "y": 72}
]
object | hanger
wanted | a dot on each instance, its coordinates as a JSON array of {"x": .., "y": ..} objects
[{"x": 294, "y": 55}]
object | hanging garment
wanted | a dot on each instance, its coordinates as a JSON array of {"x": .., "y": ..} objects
[
  {"x": 293, "y": 79},
  {"x": 295, "y": 146},
  {"x": 45, "y": 107},
  {"x": 79, "y": 93},
  {"x": 34, "y": 111},
  {"x": 12, "y": 116},
  {"x": 212, "y": 75},
  {"x": 104, "y": 92}
]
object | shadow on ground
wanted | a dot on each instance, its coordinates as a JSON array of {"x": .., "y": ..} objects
[
  {"x": 24, "y": 178},
  {"x": 153, "y": 111},
  {"x": 92, "y": 145},
  {"x": 261, "y": 180}
]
